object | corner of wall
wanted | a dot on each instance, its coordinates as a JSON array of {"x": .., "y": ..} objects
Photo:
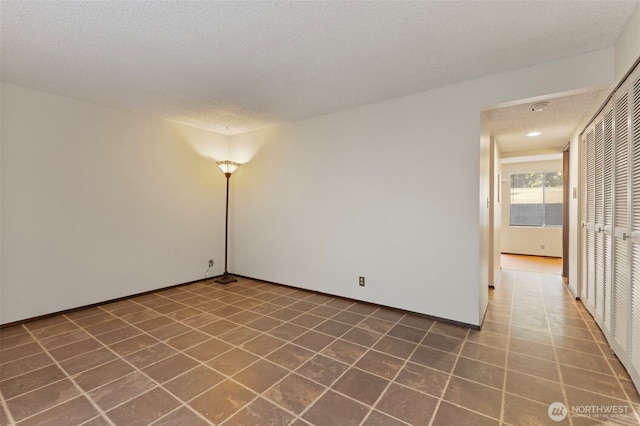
[{"x": 89, "y": 183}]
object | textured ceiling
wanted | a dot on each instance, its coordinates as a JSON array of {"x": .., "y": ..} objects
[
  {"x": 510, "y": 124},
  {"x": 235, "y": 66}
]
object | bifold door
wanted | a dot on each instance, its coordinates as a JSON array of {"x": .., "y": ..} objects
[{"x": 610, "y": 209}]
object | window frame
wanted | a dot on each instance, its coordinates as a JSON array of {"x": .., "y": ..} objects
[{"x": 544, "y": 202}]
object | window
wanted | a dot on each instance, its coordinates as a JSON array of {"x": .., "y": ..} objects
[{"x": 536, "y": 199}]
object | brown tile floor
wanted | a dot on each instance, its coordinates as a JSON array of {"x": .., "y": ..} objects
[{"x": 256, "y": 353}]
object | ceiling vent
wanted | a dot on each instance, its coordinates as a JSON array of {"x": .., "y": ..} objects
[{"x": 539, "y": 107}]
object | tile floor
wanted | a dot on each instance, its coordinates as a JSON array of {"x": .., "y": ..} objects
[{"x": 255, "y": 353}]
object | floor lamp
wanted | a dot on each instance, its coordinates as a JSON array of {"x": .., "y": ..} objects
[{"x": 227, "y": 167}]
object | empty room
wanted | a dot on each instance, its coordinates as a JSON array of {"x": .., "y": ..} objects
[{"x": 294, "y": 213}]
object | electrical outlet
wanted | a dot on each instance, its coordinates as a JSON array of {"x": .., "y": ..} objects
[
  {"x": 361, "y": 281},
  {"x": 210, "y": 263}
]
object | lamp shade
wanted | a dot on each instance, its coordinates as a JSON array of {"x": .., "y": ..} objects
[{"x": 227, "y": 166}]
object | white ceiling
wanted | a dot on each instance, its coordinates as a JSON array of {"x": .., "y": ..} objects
[
  {"x": 234, "y": 66},
  {"x": 510, "y": 124}
]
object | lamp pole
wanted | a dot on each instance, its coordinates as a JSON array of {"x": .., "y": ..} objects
[{"x": 227, "y": 167}]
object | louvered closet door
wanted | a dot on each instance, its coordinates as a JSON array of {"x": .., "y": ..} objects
[
  {"x": 634, "y": 332},
  {"x": 610, "y": 209},
  {"x": 621, "y": 228},
  {"x": 591, "y": 210},
  {"x": 607, "y": 215},
  {"x": 599, "y": 222}
]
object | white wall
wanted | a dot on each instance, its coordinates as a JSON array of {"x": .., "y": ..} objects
[
  {"x": 574, "y": 216},
  {"x": 523, "y": 239},
  {"x": 99, "y": 203},
  {"x": 389, "y": 191},
  {"x": 627, "y": 48}
]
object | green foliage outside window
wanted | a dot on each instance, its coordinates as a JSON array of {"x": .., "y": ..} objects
[{"x": 536, "y": 199}]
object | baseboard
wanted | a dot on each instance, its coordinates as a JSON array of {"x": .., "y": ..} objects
[
  {"x": 432, "y": 317},
  {"x": 67, "y": 311},
  {"x": 93, "y": 305}
]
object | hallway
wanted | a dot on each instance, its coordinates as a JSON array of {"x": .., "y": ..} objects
[{"x": 555, "y": 352}]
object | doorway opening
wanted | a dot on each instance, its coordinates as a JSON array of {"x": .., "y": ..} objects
[{"x": 531, "y": 137}]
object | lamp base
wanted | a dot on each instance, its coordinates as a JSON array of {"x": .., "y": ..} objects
[{"x": 225, "y": 279}]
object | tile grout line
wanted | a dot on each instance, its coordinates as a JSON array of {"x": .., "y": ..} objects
[
  {"x": 205, "y": 364},
  {"x": 615, "y": 375},
  {"x": 68, "y": 376},
  {"x": 200, "y": 363},
  {"x": 136, "y": 369},
  {"x": 405, "y": 362},
  {"x": 606, "y": 359},
  {"x": 352, "y": 365},
  {"x": 329, "y": 387},
  {"x": 446, "y": 386},
  {"x": 291, "y": 342},
  {"x": 10, "y": 417},
  {"x": 507, "y": 351},
  {"x": 580, "y": 315},
  {"x": 178, "y": 408},
  {"x": 6, "y": 410},
  {"x": 261, "y": 357},
  {"x": 226, "y": 376},
  {"x": 553, "y": 345},
  {"x": 182, "y": 296},
  {"x": 318, "y": 352},
  {"x": 121, "y": 357},
  {"x": 370, "y": 315},
  {"x": 92, "y": 336},
  {"x": 395, "y": 376},
  {"x": 506, "y": 359}
]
